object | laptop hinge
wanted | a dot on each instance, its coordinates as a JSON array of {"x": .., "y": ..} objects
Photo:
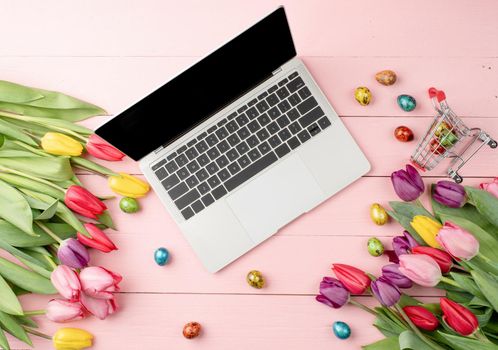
[{"x": 277, "y": 71}]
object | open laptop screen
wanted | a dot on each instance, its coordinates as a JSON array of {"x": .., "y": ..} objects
[{"x": 202, "y": 89}]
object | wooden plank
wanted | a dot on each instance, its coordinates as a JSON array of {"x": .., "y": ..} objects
[
  {"x": 155, "y": 321},
  {"x": 193, "y": 28}
]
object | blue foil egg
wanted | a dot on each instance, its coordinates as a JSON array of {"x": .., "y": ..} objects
[
  {"x": 161, "y": 256},
  {"x": 341, "y": 330},
  {"x": 407, "y": 103}
]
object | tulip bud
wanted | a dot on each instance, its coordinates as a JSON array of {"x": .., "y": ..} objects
[
  {"x": 98, "y": 239},
  {"x": 99, "y": 282},
  {"x": 458, "y": 317},
  {"x": 408, "y": 183},
  {"x": 332, "y": 293},
  {"x": 102, "y": 150},
  {"x": 100, "y": 308},
  {"x": 73, "y": 254},
  {"x": 128, "y": 186},
  {"x": 355, "y": 280},
  {"x": 427, "y": 229},
  {"x": 491, "y": 187},
  {"x": 458, "y": 242},
  {"x": 83, "y": 202},
  {"x": 421, "y": 269},
  {"x": 442, "y": 258},
  {"x": 72, "y": 339},
  {"x": 392, "y": 274},
  {"x": 60, "y": 144},
  {"x": 66, "y": 281},
  {"x": 64, "y": 311},
  {"x": 385, "y": 292},
  {"x": 421, "y": 317},
  {"x": 449, "y": 193}
]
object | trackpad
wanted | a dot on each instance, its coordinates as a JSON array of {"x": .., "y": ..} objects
[{"x": 275, "y": 198}]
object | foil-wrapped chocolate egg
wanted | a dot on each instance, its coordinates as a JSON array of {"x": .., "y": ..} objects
[
  {"x": 407, "y": 103},
  {"x": 378, "y": 214},
  {"x": 192, "y": 330},
  {"x": 363, "y": 95},
  {"x": 386, "y": 77},
  {"x": 375, "y": 247},
  {"x": 255, "y": 279}
]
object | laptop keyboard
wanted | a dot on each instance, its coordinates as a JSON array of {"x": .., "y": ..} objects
[{"x": 241, "y": 145}]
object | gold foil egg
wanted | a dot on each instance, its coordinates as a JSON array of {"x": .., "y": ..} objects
[
  {"x": 378, "y": 214},
  {"x": 363, "y": 95},
  {"x": 255, "y": 279},
  {"x": 386, "y": 77}
]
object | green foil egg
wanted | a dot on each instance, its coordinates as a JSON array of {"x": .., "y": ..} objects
[
  {"x": 363, "y": 95},
  {"x": 375, "y": 247},
  {"x": 407, "y": 103},
  {"x": 129, "y": 205},
  {"x": 255, "y": 279}
]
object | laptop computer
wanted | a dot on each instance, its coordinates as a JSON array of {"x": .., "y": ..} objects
[{"x": 239, "y": 144}]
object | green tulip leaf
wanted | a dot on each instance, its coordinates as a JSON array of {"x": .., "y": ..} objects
[
  {"x": 390, "y": 343},
  {"x": 4, "y": 343},
  {"x": 485, "y": 202},
  {"x": 67, "y": 216},
  {"x": 18, "y": 253},
  {"x": 410, "y": 209},
  {"x": 24, "y": 182},
  {"x": 488, "y": 285},
  {"x": 106, "y": 220},
  {"x": 466, "y": 282},
  {"x": 15, "y": 209},
  {"x": 405, "y": 222},
  {"x": 49, "y": 212},
  {"x": 15, "y": 237},
  {"x": 465, "y": 343},
  {"x": 87, "y": 164},
  {"x": 50, "y": 168},
  {"x": 36, "y": 268},
  {"x": 14, "y": 132},
  {"x": 11, "y": 325},
  {"x": 26, "y": 321},
  {"x": 408, "y": 340},
  {"x": 28, "y": 280},
  {"x": 8, "y": 299}
]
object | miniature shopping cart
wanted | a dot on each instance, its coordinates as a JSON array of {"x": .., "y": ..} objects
[{"x": 448, "y": 137}]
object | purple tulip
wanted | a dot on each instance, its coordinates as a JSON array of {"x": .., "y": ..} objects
[
  {"x": 407, "y": 183},
  {"x": 401, "y": 245},
  {"x": 392, "y": 274},
  {"x": 332, "y": 293},
  {"x": 385, "y": 292},
  {"x": 449, "y": 193},
  {"x": 73, "y": 254}
]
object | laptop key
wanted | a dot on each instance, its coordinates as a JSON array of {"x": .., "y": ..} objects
[
  {"x": 283, "y": 121},
  {"x": 294, "y": 99},
  {"x": 272, "y": 100},
  {"x": 294, "y": 128},
  {"x": 252, "y": 102},
  {"x": 171, "y": 167},
  {"x": 282, "y": 93},
  {"x": 222, "y": 161},
  {"x": 193, "y": 166},
  {"x": 254, "y": 154},
  {"x": 293, "y": 142},
  {"x": 307, "y": 105},
  {"x": 282, "y": 150},
  {"x": 211, "y": 140},
  {"x": 284, "y": 106},
  {"x": 250, "y": 171},
  {"x": 213, "y": 153},
  {"x": 284, "y": 134},
  {"x": 243, "y": 133},
  {"x": 183, "y": 173},
  {"x": 262, "y": 106},
  {"x": 191, "y": 153},
  {"x": 252, "y": 113},
  {"x": 263, "y": 134},
  {"x": 203, "y": 188},
  {"x": 187, "y": 213},
  {"x": 177, "y": 191},
  {"x": 274, "y": 113},
  {"x": 169, "y": 182},
  {"x": 223, "y": 146},
  {"x": 283, "y": 82},
  {"x": 202, "y": 174},
  {"x": 161, "y": 173},
  {"x": 207, "y": 200},
  {"x": 171, "y": 156},
  {"x": 232, "y": 154},
  {"x": 242, "y": 119},
  {"x": 232, "y": 126},
  {"x": 324, "y": 123},
  {"x": 191, "y": 143},
  {"x": 252, "y": 141},
  {"x": 233, "y": 140},
  {"x": 222, "y": 122},
  {"x": 221, "y": 133},
  {"x": 273, "y": 89},
  {"x": 213, "y": 181},
  {"x": 274, "y": 141},
  {"x": 181, "y": 160},
  {"x": 219, "y": 192},
  {"x": 263, "y": 95},
  {"x": 272, "y": 128},
  {"x": 304, "y": 136},
  {"x": 212, "y": 168},
  {"x": 304, "y": 92},
  {"x": 223, "y": 174},
  {"x": 295, "y": 84},
  {"x": 293, "y": 114},
  {"x": 314, "y": 129},
  {"x": 242, "y": 109},
  {"x": 243, "y": 161},
  {"x": 211, "y": 129},
  {"x": 158, "y": 165},
  {"x": 197, "y": 206},
  {"x": 181, "y": 149},
  {"x": 187, "y": 198},
  {"x": 293, "y": 75},
  {"x": 311, "y": 117},
  {"x": 264, "y": 148},
  {"x": 263, "y": 119},
  {"x": 192, "y": 181},
  {"x": 201, "y": 136},
  {"x": 242, "y": 148},
  {"x": 233, "y": 168},
  {"x": 201, "y": 146},
  {"x": 203, "y": 159},
  {"x": 253, "y": 126}
]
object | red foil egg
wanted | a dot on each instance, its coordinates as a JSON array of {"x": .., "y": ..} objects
[
  {"x": 403, "y": 133},
  {"x": 191, "y": 330}
]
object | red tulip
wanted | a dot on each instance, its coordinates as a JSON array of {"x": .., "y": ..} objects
[
  {"x": 102, "y": 150},
  {"x": 355, "y": 280},
  {"x": 83, "y": 202},
  {"x": 421, "y": 317},
  {"x": 458, "y": 317},
  {"x": 99, "y": 240},
  {"x": 442, "y": 258}
]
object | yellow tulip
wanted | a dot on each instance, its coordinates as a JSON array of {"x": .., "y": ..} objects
[
  {"x": 61, "y": 145},
  {"x": 72, "y": 339},
  {"x": 128, "y": 186},
  {"x": 427, "y": 229}
]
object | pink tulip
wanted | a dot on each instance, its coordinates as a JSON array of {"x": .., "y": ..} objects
[
  {"x": 491, "y": 187},
  {"x": 102, "y": 150},
  {"x": 99, "y": 283},
  {"x": 421, "y": 269},
  {"x": 66, "y": 281},
  {"x": 64, "y": 311},
  {"x": 100, "y": 308},
  {"x": 458, "y": 242}
]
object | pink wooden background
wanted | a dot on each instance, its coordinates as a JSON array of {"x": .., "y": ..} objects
[{"x": 112, "y": 52}]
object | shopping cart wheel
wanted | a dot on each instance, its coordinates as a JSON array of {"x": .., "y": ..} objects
[
  {"x": 457, "y": 178},
  {"x": 492, "y": 144}
]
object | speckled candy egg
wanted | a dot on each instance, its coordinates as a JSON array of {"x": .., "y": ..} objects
[
  {"x": 161, "y": 256},
  {"x": 341, "y": 330},
  {"x": 403, "y": 133},
  {"x": 255, "y": 279},
  {"x": 375, "y": 247},
  {"x": 378, "y": 214},
  {"x": 363, "y": 95},
  {"x": 407, "y": 103},
  {"x": 386, "y": 77},
  {"x": 192, "y": 330}
]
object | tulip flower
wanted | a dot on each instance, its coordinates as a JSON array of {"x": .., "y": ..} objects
[
  {"x": 421, "y": 269},
  {"x": 66, "y": 281},
  {"x": 491, "y": 187},
  {"x": 458, "y": 317},
  {"x": 128, "y": 186},
  {"x": 72, "y": 339},
  {"x": 60, "y": 144},
  {"x": 102, "y": 150},
  {"x": 73, "y": 254},
  {"x": 83, "y": 202},
  {"x": 442, "y": 258},
  {"x": 355, "y": 280},
  {"x": 98, "y": 239},
  {"x": 100, "y": 308},
  {"x": 332, "y": 293},
  {"x": 458, "y": 242},
  {"x": 99, "y": 283},
  {"x": 408, "y": 183},
  {"x": 449, "y": 194},
  {"x": 385, "y": 291},
  {"x": 64, "y": 311},
  {"x": 421, "y": 317},
  {"x": 427, "y": 229},
  {"x": 392, "y": 274}
]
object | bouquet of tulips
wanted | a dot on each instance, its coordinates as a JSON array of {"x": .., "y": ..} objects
[
  {"x": 454, "y": 248},
  {"x": 47, "y": 218}
]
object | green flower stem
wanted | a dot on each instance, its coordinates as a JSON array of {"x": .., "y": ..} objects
[
  {"x": 32, "y": 149},
  {"x": 12, "y": 171},
  {"x": 87, "y": 164},
  {"x": 48, "y": 231},
  {"x": 485, "y": 258},
  {"x": 450, "y": 282},
  {"x": 51, "y": 262},
  {"x": 34, "y": 312},
  {"x": 362, "y": 306},
  {"x": 38, "y": 334},
  {"x": 414, "y": 328},
  {"x": 481, "y": 336}
]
